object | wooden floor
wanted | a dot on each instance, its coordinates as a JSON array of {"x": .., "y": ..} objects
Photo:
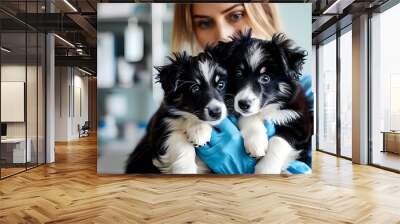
[
  {"x": 10, "y": 171},
  {"x": 70, "y": 191},
  {"x": 387, "y": 159}
]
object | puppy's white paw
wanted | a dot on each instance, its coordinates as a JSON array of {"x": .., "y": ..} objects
[
  {"x": 256, "y": 145},
  {"x": 199, "y": 134}
]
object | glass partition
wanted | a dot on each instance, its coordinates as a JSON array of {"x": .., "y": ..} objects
[
  {"x": 327, "y": 96},
  {"x": 14, "y": 151},
  {"x": 22, "y": 87}
]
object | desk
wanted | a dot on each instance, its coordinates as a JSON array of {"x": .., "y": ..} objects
[
  {"x": 391, "y": 141},
  {"x": 16, "y": 147}
]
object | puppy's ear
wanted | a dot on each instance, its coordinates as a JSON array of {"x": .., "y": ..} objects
[
  {"x": 221, "y": 51},
  {"x": 292, "y": 58},
  {"x": 168, "y": 75}
]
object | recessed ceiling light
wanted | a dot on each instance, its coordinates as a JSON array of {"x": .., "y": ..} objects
[
  {"x": 5, "y": 50},
  {"x": 84, "y": 71},
  {"x": 70, "y": 5},
  {"x": 64, "y": 40}
]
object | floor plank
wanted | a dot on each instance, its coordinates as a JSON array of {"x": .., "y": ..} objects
[{"x": 70, "y": 191}]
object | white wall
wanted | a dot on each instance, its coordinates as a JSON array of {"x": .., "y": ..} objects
[
  {"x": 70, "y": 84},
  {"x": 79, "y": 117},
  {"x": 33, "y": 126},
  {"x": 12, "y": 73},
  {"x": 62, "y": 81}
]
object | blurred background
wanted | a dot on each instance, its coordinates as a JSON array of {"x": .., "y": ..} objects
[{"x": 132, "y": 38}]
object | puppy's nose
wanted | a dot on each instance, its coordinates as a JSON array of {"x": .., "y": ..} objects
[
  {"x": 244, "y": 104},
  {"x": 214, "y": 112}
]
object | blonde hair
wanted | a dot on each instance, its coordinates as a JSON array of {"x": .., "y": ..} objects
[{"x": 264, "y": 18}]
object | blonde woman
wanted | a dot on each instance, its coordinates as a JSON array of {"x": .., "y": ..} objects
[{"x": 195, "y": 26}]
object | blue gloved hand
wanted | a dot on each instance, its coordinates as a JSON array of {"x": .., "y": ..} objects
[{"x": 225, "y": 153}]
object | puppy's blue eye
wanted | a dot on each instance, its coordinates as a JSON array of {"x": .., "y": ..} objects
[
  {"x": 264, "y": 79},
  {"x": 220, "y": 85},
  {"x": 195, "y": 89}
]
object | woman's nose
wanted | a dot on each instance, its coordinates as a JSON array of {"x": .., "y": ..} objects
[{"x": 225, "y": 31}]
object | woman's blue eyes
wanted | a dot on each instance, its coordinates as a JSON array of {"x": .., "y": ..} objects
[
  {"x": 208, "y": 23},
  {"x": 204, "y": 24},
  {"x": 236, "y": 16}
]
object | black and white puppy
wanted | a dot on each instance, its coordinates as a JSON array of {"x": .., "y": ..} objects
[
  {"x": 264, "y": 83},
  {"x": 193, "y": 101}
]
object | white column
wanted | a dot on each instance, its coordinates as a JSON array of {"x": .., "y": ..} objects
[
  {"x": 50, "y": 99},
  {"x": 360, "y": 90}
]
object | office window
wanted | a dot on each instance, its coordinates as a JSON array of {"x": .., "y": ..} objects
[
  {"x": 327, "y": 96},
  {"x": 346, "y": 94},
  {"x": 385, "y": 89}
]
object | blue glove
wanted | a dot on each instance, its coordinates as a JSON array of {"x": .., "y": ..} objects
[{"x": 225, "y": 153}]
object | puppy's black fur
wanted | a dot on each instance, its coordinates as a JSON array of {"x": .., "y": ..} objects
[
  {"x": 274, "y": 77},
  {"x": 186, "y": 90}
]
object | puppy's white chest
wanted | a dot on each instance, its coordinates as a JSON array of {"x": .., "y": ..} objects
[{"x": 180, "y": 156}]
